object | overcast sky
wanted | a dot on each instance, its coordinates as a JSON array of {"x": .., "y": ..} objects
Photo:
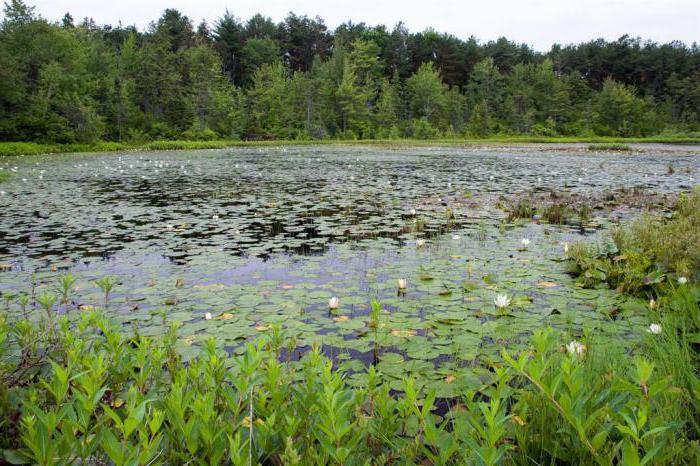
[{"x": 539, "y": 23}]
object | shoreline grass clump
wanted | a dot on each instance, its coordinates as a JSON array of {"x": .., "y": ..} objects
[
  {"x": 646, "y": 255},
  {"x": 610, "y": 147}
]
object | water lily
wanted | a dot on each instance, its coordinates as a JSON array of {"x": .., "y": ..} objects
[
  {"x": 574, "y": 347},
  {"x": 403, "y": 283},
  {"x": 207, "y": 316},
  {"x": 455, "y": 237},
  {"x": 333, "y": 303},
  {"x": 413, "y": 211},
  {"x": 525, "y": 241},
  {"x": 682, "y": 280},
  {"x": 420, "y": 243},
  {"x": 655, "y": 329},
  {"x": 566, "y": 247},
  {"x": 215, "y": 217},
  {"x": 502, "y": 300}
]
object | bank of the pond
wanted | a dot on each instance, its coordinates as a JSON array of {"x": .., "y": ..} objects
[{"x": 31, "y": 148}]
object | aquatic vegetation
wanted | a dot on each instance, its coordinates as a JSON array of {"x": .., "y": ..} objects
[
  {"x": 576, "y": 348},
  {"x": 645, "y": 254},
  {"x": 106, "y": 284},
  {"x": 609, "y": 147},
  {"x": 655, "y": 329},
  {"x": 523, "y": 209},
  {"x": 181, "y": 300},
  {"x": 555, "y": 213},
  {"x": 147, "y": 405},
  {"x": 502, "y": 301}
]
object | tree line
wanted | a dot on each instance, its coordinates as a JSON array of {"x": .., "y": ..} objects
[{"x": 80, "y": 82}]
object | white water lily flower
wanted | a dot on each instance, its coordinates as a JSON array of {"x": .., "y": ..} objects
[
  {"x": 207, "y": 316},
  {"x": 566, "y": 247},
  {"x": 502, "y": 300},
  {"x": 403, "y": 283},
  {"x": 420, "y": 243},
  {"x": 682, "y": 280},
  {"x": 333, "y": 303},
  {"x": 215, "y": 217},
  {"x": 413, "y": 211},
  {"x": 524, "y": 241},
  {"x": 574, "y": 347},
  {"x": 455, "y": 237},
  {"x": 655, "y": 329}
]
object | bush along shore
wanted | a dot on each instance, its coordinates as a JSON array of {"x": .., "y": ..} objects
[{"x": 77, "y": 389}]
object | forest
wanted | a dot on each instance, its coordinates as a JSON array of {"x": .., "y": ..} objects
[{"x": 79, "y": 82}]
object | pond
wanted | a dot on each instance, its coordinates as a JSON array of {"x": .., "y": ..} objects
[{"x": 261, "y": 237}]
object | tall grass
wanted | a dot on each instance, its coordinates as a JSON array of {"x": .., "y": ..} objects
[
  {"x": 648, "y": 255},
  {"x": 610, "y": 147}
]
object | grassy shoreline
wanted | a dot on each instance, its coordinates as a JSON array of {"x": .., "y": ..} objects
[{"x": 31, "y": 148}]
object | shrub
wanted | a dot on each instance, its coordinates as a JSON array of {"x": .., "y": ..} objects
[
  {"x": 609, "y": 147},
  {"x": 647, "y": 254},
  {"x": 422, "y": 129},
  {"x": 104, "y": 396}
]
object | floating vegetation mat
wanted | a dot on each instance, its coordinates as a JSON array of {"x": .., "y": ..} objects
[{"x": 261, "y": 239}]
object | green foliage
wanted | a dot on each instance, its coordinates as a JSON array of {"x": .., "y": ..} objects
[
  {"x": 608, "y": 147},
  {"x": 66, "y": 83},
  {"x": 130, "y": 399},
  {"x": 77, "y": 388},
  {"x": 522, "y": 209},
  {"x": 646, "y": 256}
]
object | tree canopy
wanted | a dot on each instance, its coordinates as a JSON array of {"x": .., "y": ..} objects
[{"x": 80, "y": 82}]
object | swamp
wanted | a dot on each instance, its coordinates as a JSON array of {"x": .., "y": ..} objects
[{"x": 422, "y": 263}]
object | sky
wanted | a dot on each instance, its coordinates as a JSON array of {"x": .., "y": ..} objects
[{"x": 538, "y": 23}]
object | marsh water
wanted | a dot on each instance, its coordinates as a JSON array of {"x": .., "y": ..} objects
[{"x": 264, "y": 236}]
